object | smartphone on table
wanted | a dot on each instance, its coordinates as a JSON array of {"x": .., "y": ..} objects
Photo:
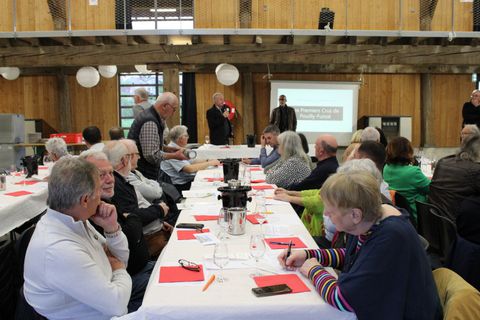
[
  {"x": 190, "y": 225},
  {"x": 271, "y": 290}
]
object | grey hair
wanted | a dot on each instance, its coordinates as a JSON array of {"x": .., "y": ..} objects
[
  {"x": 166, "y": 98},
  {"x": 130, "y": 144},
  {"x": 70, "y": 180},
  {"x": 177, "y": 132},
  {"x": 216, "y": 94},
  {"x": 470, "y": 150},
  {"x": 364, "y": 165},
  {"x": 93, "y": 154},
  {"x": 473, "y": 92},
  {"x": 115, "y": 151},
  {"x": 272, "y": 129},
  {"x": 474, "y": 130},
  {"x": 142, "y": 93},
  {"x": 370, "y": 134},
  {"x": 292, "y": 146},
  {"x": 57, "y": 146}
]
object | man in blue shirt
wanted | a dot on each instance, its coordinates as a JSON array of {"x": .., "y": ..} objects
[{"x": 269, "y": 136}]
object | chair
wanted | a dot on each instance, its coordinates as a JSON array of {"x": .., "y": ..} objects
[
  {"x": 402, "y": 202},
  {"x": 460, "y": 301},
  {"x": 439, "y": 231},
  {"x": 25, "y": 311}
]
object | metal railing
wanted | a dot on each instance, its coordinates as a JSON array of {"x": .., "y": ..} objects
[{"x": 392, "y": 15}]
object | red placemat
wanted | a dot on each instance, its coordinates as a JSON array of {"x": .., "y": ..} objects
[
  {"x": 253, "y": 218},
  {"x": 258, "y": 181},
  {"x": 43, "y": 167},
  {"x": 214, "y": 179},
  {"x": 262, "y": 187},
  {"x": 189, "y": 234},
  {"x": 204, "y": 217},
  {"x": 256, "y": 169},
  {"x": 291, "y": 280},
  {"x": 27, "y": 182},
  {"x": 297, "y": 243},
  {"x": 18, "y": 193},
  {"x": 179, "y": 274}
]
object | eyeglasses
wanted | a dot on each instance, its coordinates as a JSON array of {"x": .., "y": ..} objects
[{"x": 191, "y": 266}]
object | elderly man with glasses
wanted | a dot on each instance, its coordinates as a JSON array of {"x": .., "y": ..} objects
[{"x": 284, "y": 116}]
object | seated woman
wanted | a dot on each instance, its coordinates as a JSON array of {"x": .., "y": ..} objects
[
  {"x": 402, "y": 176},
  {"x": 383, "y": 261},
  {"x": 182, "y": 172},
  {"x": 56, "y": 148},
  {"x": 312, "y": 216},
  {"x": 294, "y": 164}
]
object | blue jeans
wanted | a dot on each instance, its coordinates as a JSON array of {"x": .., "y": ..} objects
[{"x": 139, "y": 285}]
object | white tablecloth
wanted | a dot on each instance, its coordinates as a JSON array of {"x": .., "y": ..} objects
[
  {"x": 235, "y": 151},
  {"x": 14, "y": 211},
  {"x": 232, "y": 299}
]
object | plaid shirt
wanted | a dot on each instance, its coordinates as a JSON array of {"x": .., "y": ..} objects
[{"x": 151, "y": 143}]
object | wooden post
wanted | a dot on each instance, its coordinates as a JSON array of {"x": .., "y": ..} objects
[
  {"x": 65, "y": 108},
  {"x": 248, "y": 113},
  {"x": 426, "y": 138},
  {"x": 171, "y": 83}
]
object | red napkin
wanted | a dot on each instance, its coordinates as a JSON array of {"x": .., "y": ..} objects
[
  {"x": 214, "y": 179},
  {"x": 18, "y": 193},
  {"x": 262, "y": 187},
  {"x": 43, "y": 167},
  {"x": 298, "y": 244},
  {"x": 225, "y": 147},
  {"x": 291, "y": 280},
  {"x": 179, "y": 274},
  {"x": 27, "y": 182},
  {"x": 205, "y": 217},
  {"x": 188, "y": 234},
  {"x": 253, "y": 218},
  {"x": 256, "y": 169},
  {"x": 258, "y": 181}
]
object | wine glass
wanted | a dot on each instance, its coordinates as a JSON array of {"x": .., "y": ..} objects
[
  {"x": 257, "y": 250},
  {"x": 260, "y": 208},
  {"x": 222, "y": 222},
  {"x": 207, "y": 139},
  {"x": 247, "y": 177},
  {"x": 220, "y": 258}
]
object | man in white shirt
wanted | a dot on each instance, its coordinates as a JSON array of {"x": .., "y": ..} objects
[{"x": 71, "y": 270}]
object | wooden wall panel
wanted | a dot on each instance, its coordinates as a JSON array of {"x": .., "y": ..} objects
[
  {"x": 206, "y": 86},
  {"x": 34, "y": 96},
  {"x": 6, "y": 15},
  {"x": 449, "y": 93},
  {"x": 96, "y": 106},
  {"x": 33, "y": 15},
  {"x": 463, "y": 18},
  {"x": 87, "y": 17},
  {"x": 216, "y": 13}
]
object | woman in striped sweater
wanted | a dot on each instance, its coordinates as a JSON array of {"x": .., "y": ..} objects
[{"x": 385, "y": 271}]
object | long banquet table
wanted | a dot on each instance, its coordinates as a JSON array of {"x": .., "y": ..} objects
[
  {"x": 232, "y": 299},
  {"x": 29, "y": 199},
  {"x": 235, "y": 151}
]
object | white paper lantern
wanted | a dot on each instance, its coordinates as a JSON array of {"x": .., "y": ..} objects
[
  {"x": 142, "y": 68},
  {"x": 107, "y": 71},
  {"x": 3, "y": 69},
  {"x": 11, "y": 73},
  {"x": 227, "y": 74},
  {"x": 88, "y": 77}
]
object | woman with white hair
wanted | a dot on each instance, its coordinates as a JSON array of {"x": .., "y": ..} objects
[
  {"x": 56, "y": 148},
  {"x": 294, "y": 164},
  {"x": 182, "y": 172}
]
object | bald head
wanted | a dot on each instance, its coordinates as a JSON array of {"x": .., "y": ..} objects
[
  {"x": 325, "y": 147},
  {"x": 166, "y": 105}
]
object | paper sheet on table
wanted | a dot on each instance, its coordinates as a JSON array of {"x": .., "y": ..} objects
[
  {"x": 179, "y": 274},
  {"x": 206, "y": 239},
  {"x": 189, "y": 234},
  {"x": 252, "y": 218},
  {"x": 297, "y": 243},
  {"x": 291, "y": 280},
  {"x": 277, "y": 230},
  {"x": 270, "y": 201},
  {"x": 197, "y": 194}
]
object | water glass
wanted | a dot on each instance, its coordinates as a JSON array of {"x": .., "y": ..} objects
[
  {"x": 257, "y": 250},
  {"x": 207, "y": 139},
  {"x": 220, "y": 259},
  {"x": 247, "y": 177},
  {"x": 222, "y": 222}
]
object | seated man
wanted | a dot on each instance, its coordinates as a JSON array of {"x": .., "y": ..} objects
[
  {"x": 56, "y": 148},
  {"x": 71, "y": 270},
  {"x": 269, "y": 136},
  {"x": 116, "y": 133},
  {"x": 139, "y": 265},
  {"x": 182, "y": 172},
  {"x": 93, "y": 138}
]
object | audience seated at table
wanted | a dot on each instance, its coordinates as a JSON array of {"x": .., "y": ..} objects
[
  {"x": 182, "y": 172},
  {"x": 71, "y": 270},
  {"x": 385, "y": 271},
  {"x": 93, "y": 138},
  {"x": 456, "y": 178},
  {"x": 56, "y": 148},
  {"x": 116, "y": 133},
  {"x": 403, "y": 177},
  {"x": 139, "y": 264},
  {"x": 269, "y": 137},
  {"x": 294, "y": 164}
]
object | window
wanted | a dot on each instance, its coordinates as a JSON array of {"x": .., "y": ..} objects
[
  {"x": 162, "y": 14},
  {"x": 152, "y": 82}
]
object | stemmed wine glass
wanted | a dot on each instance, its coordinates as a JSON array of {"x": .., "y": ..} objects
[
  {"x": 222, "y": 223},
  {"x": 257, "y": 250},
  {"x": 260, "y": 208},
  {"x": 220, "y": 258}
]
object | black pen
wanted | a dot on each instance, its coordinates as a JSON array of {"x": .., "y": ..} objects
[
  {"x": 289, "y": 251},
  {"x": 283, "y": 243}
]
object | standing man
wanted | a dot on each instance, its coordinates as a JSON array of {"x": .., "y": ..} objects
[
  {"x": 147, "y": 131},
  {"x": 218, "y": 123},
  {"x": 140, "y": 97},
  {"x": 284, "y": 116}
]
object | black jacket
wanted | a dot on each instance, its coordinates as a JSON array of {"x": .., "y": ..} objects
[
  {"x": 318, "y": 176},
  {"x": 219, "y": 126}
]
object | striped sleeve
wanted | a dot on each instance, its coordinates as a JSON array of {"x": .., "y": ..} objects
[
  {"x": 327, "y": 286},
  {"x": 328, "y": 257}
]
